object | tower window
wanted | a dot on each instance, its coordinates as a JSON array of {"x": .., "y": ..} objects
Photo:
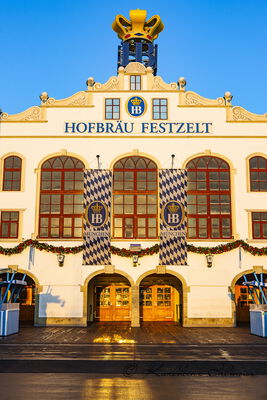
[
  {"x": 160, "y": 108},
  {"x": 135, "y": 82},
  {"x": 112, "y": 108}
]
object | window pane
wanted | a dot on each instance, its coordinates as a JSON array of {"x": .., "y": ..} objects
[
  {"x": 128, "y": 199},
  {"x": 256, "y": 230},
  {"x": 78, "y": 232},
  {"x": 256, "y": 216},
  {"x": 4, "y": 229},
  {"x": 151, "y": 199},
  {"x": 152, "y": 222},
  {"x": 151, "y": 209},
  {"x": 128, "y": 209},
  {"x": 77, "y": 222},
  {"x": 141, "y": 185},
  {"x": 141, "y": 232},
  {"x": 67, "y": 232},
  {"x": 192, "y": 209},
  {"x": 152, "y": 232},
  {"x": 128, "y": 185},
  {"x": 44, "y": 232},
  {"x": 118, "y": 185},
  {"x": 141, "y": 209},
  {"x": 118, "y": 232},
  {"x": 118, "y": 222},
  {"x": 118, "y": 209},
  {"x": 141, "y": 199},
  {"x": 141, "y": 222},
  {"x": 118, "y": 199}
]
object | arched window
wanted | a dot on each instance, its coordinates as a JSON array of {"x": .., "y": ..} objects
[
  {"x": 12, "y": 173},
  {"x": 61, "y": 198},
  {"x": 258, "y": 174},
  {"x": 209, "y": 198},
  {"x": 135, "y": 198}
]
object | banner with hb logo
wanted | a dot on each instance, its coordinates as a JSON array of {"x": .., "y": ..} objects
[
  {"x": 96, "y": 222},
  {"x": 173, "y": 204}
]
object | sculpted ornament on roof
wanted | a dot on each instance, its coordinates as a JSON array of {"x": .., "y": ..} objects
[
  {"x": 31, "y": 114},
  {"x": 240, "y": 114}
]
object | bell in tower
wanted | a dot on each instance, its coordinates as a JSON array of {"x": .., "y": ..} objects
[{"x": 137, "y": 37}]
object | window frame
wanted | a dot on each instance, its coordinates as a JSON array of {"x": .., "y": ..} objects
[
  {"x": 17, "y": 222},
  {"x": 61, "y": 216},
  {"x": 256, "y": 170},
  {"x": 208, "y": 216},
  {"x": 12, "y": 170},
  {"x": 160, "y": 112},
  {"x": 113, "y": 117},
  {"x": 135, "y": 85},
  {"x": 135, "y": 216},
  {"x": 259, "y": 222}
]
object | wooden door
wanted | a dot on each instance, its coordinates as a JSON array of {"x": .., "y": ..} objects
[
  {"x": 243, "y": 300},
  {"x": 112, "y": 303},
  {"x": 157, "y": 303}
]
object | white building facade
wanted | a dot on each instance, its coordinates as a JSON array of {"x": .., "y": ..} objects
[{"x": 43, "y": 153}]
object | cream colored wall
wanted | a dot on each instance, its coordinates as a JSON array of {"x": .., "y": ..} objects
[{"x": 208, "y": 295}]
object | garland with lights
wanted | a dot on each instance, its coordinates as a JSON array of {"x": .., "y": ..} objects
[{"x": 222, "y": 248}]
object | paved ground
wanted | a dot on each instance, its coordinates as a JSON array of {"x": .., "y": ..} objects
[
  {"x": 116, "y": 387},
  {"x": 154, "y": 348},
  {"x": 149, "y": 333}
]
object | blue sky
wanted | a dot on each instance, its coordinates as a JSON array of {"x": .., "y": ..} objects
[{"x": 55, "y": 45}]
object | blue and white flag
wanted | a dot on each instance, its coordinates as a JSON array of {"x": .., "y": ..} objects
[
  {"x": 31, "y": 257},
  {"x": 173, "y": 205},
  {"x": 96, "y": 222}
]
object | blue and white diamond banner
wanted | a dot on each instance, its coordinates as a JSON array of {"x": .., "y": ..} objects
[
  {"x": 96, "y": 221},
  {"x": 173, "y": 204}
]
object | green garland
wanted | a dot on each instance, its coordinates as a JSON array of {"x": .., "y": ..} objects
[{"x": 222, "y": 248}]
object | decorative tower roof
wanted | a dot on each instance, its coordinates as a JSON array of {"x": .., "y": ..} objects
[
  {"x": 137, "y": 27},
  {"x": 137, "y": 37}
]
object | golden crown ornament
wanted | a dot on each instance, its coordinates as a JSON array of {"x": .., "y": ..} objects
[{"x": 138, "y": 27}]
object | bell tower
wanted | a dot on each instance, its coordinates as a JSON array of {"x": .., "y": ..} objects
[{"x": 137, "y": 37}]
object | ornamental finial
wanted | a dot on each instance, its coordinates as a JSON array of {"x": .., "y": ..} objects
[{"x": 138, "y": 27}]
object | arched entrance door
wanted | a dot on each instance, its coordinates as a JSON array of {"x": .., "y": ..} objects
[
  {"x": 26, "y": 299},
  {"x": 243, "y": 298},
  {"x": 161, "y": 298},
  {"x": 109, "y": 298}
]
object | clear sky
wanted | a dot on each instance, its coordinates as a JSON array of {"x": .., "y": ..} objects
[{"x": 55, "y": 45}]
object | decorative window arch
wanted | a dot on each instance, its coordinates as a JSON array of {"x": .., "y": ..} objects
[
  {"x": 209, "y": 198},
  {"x": 12, "y": 173},
  {"x": 135, "y": 198},
  {"x": 258, "y": 174},
  {"x": 61, "y": 198}
]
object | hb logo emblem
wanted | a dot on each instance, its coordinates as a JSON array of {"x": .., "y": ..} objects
[
  {"x": 96, "y": 214},
  {"x": 136, "y": 106},
  {"x": 173, "y": 213}
]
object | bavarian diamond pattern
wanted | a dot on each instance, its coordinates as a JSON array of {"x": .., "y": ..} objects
[
  {"x": 97, "y": 187},
  {"x": 173, "y": 186}
]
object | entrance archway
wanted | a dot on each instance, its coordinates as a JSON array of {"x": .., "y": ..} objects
[
  {"x": 27, "y": 298},
  {"x": 243, "y": 298},
  {"x": 109, "y": 298},
  {"x": 161, "y": 298}
]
